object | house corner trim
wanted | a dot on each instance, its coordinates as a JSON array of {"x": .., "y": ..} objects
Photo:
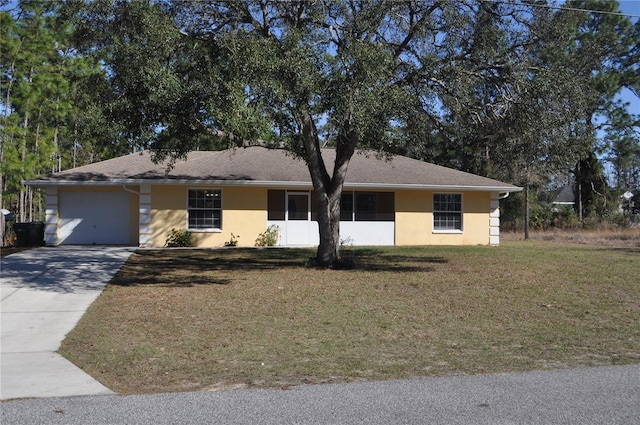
[
  {"x": 494, "y": 219},
  {"x": 51, "y": 216},
  {"x": 144, "y": 216}
]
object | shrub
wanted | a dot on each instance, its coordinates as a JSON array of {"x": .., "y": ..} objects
[
  {"x": 269, "y": 237},
  {"x": 178, "y": 238},
  {"x": 565, "y": 218},
  {"x": 233, "y": 241}
]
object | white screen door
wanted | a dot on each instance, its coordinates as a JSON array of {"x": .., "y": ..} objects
[{"x": 298, "y": 218}]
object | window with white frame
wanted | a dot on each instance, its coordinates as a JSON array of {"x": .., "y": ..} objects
[
  {"x": 447, "y": 212},
  {"x": 204, "y": 209}
]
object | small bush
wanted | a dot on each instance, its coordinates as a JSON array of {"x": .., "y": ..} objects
[
  {"x": 233, "y": 241},
  {"x": 269, "y": 237},
  {"x": 178, "y": 238}
]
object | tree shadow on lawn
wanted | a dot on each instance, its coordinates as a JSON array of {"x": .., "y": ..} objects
[
  {"x": 372, "y": 259},
  {"x": 190, "y": 267}
]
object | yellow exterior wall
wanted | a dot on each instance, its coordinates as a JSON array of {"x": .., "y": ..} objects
[
  {"x": 244, "y": 213},
  {"x": 476, "y": 222},
  {"x": 414, "y": 219},
  {"x": 133, "y": 205}
]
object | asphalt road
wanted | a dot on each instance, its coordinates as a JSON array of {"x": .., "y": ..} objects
[{"x": 606, "y": 395}]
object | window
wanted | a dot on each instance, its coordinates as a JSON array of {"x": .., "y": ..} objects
[
  {"x": 447, "y": 212},
  {"x": 204, "y": 209}
]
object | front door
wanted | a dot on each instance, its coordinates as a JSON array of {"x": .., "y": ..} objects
[{"x": 298, "y": 218}]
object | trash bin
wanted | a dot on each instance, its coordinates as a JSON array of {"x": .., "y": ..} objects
[{"x": 29, "y": 234}]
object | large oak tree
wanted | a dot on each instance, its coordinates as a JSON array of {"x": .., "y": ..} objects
[{"x": 297, "y": 74}]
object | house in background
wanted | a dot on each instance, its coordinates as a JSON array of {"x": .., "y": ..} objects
[
  {"x": 398, "y": 201},
  {"x": 562, "y": 198}
]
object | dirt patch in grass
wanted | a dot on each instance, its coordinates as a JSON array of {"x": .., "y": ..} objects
[{"x": 175, "y": 320}]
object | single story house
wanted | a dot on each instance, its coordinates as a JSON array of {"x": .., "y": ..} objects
[
  {"x": 563, "y": 197},
  {"x": 399, "y": 201}
]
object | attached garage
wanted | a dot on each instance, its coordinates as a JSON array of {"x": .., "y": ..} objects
[{"x": 94, "y": 218}]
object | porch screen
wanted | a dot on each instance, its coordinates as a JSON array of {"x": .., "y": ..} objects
[
  {"x": 367, "y": 206},
  {"x": 276, "y": 204}
]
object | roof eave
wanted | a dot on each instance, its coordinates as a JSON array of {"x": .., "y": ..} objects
[
  {"x": 262, "y": 183},
  {"x": 448, "y": 187},
  {"x": 164, "y": 182}
]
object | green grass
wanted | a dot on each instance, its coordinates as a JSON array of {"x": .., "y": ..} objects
[{"x": 175, "y": 320}]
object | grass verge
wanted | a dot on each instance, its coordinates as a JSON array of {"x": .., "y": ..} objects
[{"x": 175, "y": 320}]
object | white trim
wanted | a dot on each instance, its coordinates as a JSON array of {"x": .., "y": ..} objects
[
  {"x": 298, "y": 232},
  {"x": 51, "y": 216},
  {"x": 494, "y": 218},
  {"x": 144, "y": 216}
]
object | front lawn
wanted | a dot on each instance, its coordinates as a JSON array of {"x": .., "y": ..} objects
[{"x": 175, "y": 320}]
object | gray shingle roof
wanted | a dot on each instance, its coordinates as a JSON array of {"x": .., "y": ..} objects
[
  {"x": 262, "y": 166},
  {"x": 564, "y": 195}
]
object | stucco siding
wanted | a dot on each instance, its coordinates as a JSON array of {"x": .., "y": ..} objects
[
  {"x": 243, "y": 214},
  {"x": 168, "y": 211},
  {"x": 414, "y": 220},
  {"x": 476, "y": 218}
]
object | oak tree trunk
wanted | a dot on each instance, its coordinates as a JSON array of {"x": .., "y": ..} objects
[{"x": 327, "y": 190}]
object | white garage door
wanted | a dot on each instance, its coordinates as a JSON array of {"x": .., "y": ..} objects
[{"x": 87, "y": 218}]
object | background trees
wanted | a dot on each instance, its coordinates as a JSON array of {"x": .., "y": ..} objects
[
  {"x": 50, "y": 120},
  {"x": 511, "y": 91}
]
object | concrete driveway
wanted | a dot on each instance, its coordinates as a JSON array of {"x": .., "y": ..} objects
[{"x": 44, "y": 292}]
